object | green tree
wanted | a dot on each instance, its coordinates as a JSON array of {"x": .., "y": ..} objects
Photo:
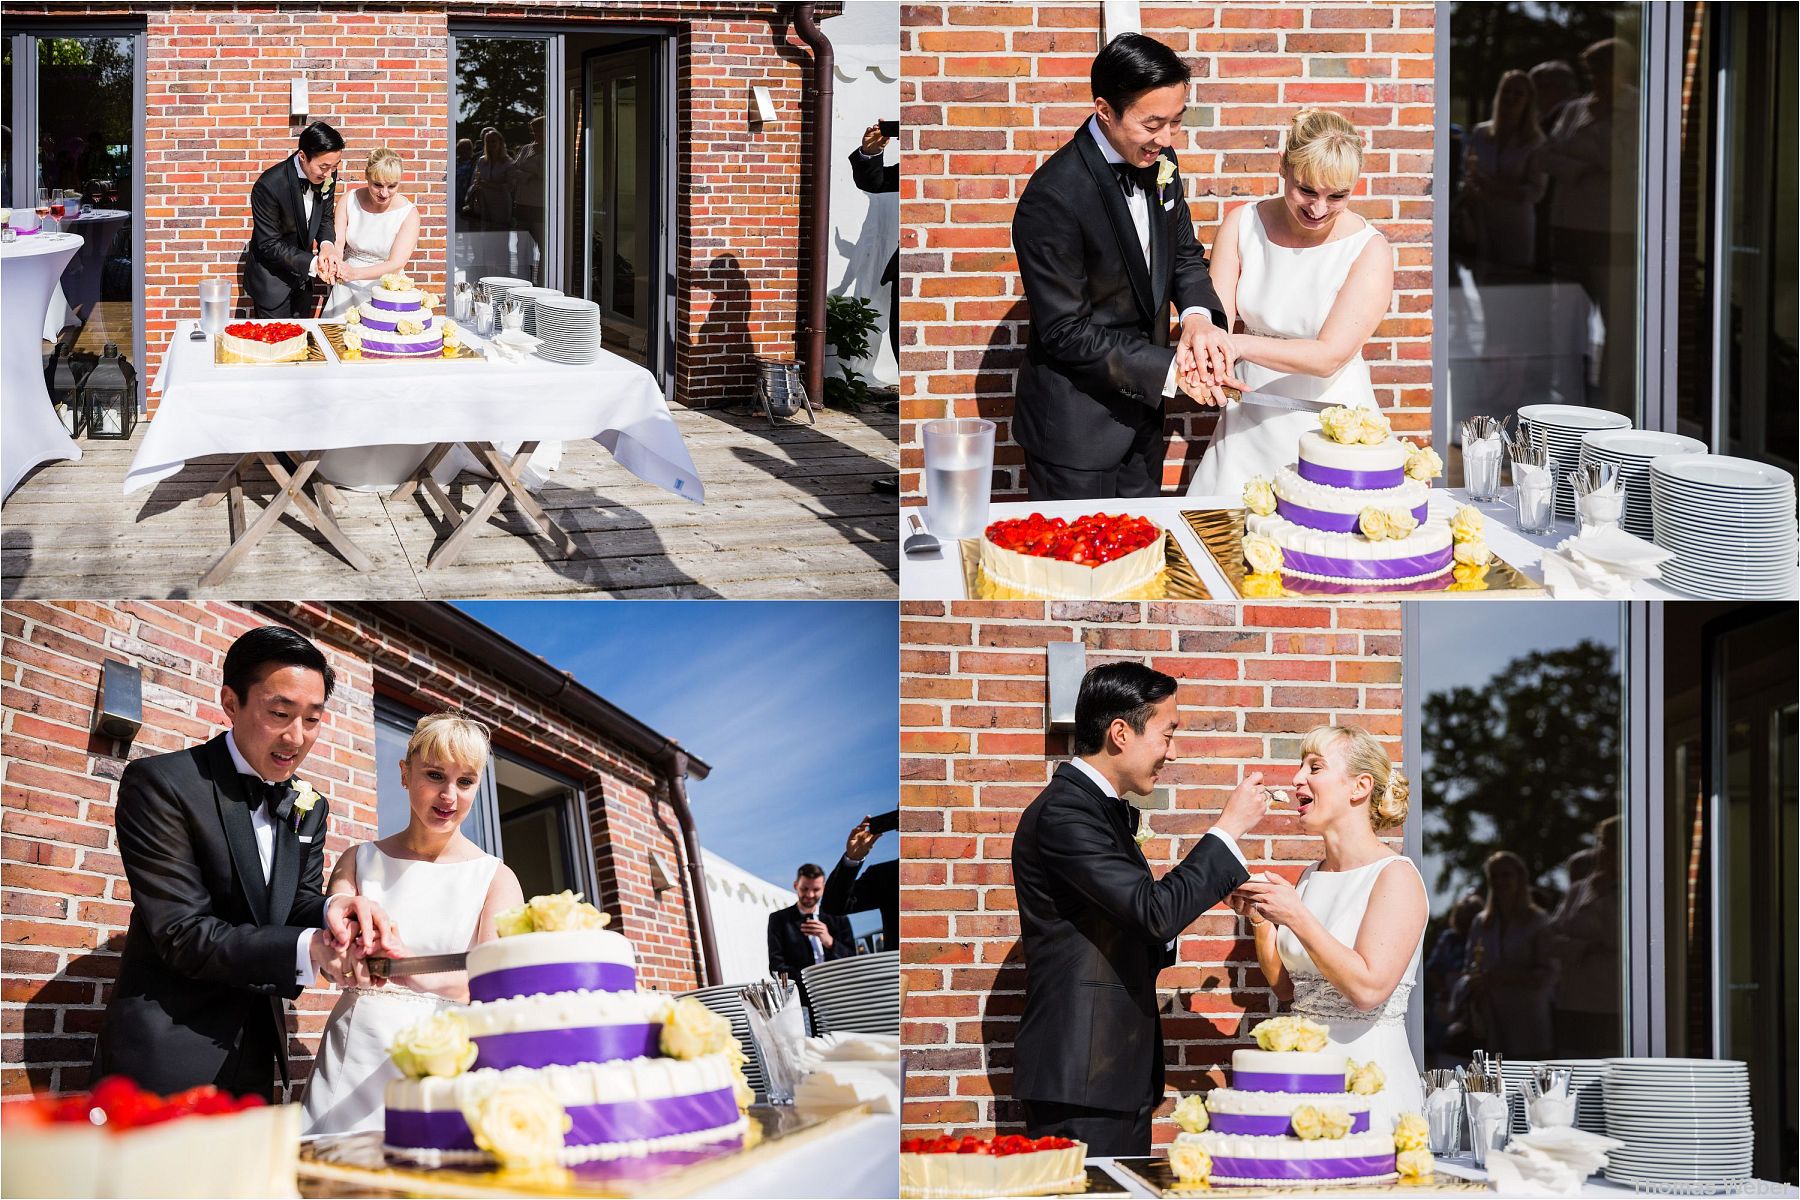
[
  {"x": 1528, "y": 762},
  {"x": 499, "y": 82}
]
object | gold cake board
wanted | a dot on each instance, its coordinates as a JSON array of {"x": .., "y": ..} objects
[
  {"x": 1156, "y": 1175},
  {"x": 315, "y": 353},
  {"x": 1221, "y": 531},
  {"x": 353, "y": 1164},
  {"x": 1177, "y": 581}
]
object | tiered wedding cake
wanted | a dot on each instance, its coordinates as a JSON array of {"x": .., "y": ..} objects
[
  {"x": 1352, "y": 512},
  {"x": 1296, "y": 1113},
  {"x": 559, "y": 1058},
  {"x": 396, "y": 322}
]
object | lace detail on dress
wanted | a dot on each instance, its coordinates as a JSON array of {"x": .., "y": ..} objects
[{"x": 1316, "y": 998}]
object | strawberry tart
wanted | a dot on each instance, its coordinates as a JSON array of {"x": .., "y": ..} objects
[
  {"x": 265, "y": 341},
  {"x": 1001, "y": 1166},
  {"x": 1091, "y": 558}
]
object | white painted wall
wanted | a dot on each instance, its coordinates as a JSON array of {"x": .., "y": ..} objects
[
  {"x": 741, "y": 904},
  {"x": 865, "y": 229}
]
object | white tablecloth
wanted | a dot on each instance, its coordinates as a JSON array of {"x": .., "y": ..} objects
[
  {"x": 861, "y": 1161},
  {"x": 938, "y": 575},
  {"x": 96, "y": 228},
  {"x": 212, "y": 409},
  {"x": 29, "y": 269},
  {"x": 1595, "y": 1186}
]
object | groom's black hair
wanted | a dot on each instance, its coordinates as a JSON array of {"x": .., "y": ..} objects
[
  {"x": 1125, "y": 691},
  {"x": 1131, "y": 65},
  {"x": 320, "y": 138},
  {"x": 275, "y": 645}
]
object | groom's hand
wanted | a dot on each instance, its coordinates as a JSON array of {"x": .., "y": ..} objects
[
  {"x": 1204, "y": 359},
  {"x": 362, "y": 923},
  {"x": 1244, "y": 807},
  {"x": 330, "y": 963}
]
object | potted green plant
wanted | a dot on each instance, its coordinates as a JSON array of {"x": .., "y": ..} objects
[{"x": 850, "y": 322}]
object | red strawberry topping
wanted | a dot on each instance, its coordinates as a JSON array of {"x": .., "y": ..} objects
[{"x": 1089, "y": 541}]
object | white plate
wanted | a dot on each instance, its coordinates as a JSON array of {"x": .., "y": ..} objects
[
  {"x": 1719, "y": 470},
  {"x": 1573, "y": 416},
  {"x": 1643, "y": 444}
]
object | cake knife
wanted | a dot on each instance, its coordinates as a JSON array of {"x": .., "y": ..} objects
[{"x": 427, "y": 964}]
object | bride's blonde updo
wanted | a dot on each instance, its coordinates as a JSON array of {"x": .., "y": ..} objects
[
  {"x": 448, "y": 737},
  {"x": 384, "y": 166},
  {"x": 1363, "y": 755},
  {"x": 1324, "y": 149}
]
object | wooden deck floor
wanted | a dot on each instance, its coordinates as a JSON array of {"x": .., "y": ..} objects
[{"x": 789, "y": 513}]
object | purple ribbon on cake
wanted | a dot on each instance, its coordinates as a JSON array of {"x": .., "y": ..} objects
[
  {"x": 1287, "y": 1081},
  {"x": 1333, "y": 522},
  {"x": 559, "y": 1047},
  {"x": 1271, "y": 1124},
  {"x": 398, "y": 305},
  {"x": 429, "y": 348},
  {"x": 1366, "y": 568},
  {"x": 545, "y": 979},
  {"x": 591, "y": 1124},
  {"x": 393, "y": 326},
  {"x": 1303, "y": 1168},
  {"x": 1362, "y": 481}
]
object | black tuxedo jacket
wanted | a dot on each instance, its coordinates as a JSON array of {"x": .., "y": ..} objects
[
  {"x": 1094, "y": 925},
  {"x": 281, "y": 238},
  {"x": 1099, "y": 354},
  {"x": 850, "y": 889},
  {"x": 209, "y": 954},
  {"x": 873, "y": 175},
  {"x": 790, "y": 952}
]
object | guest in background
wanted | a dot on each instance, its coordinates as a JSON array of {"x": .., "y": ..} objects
[
  {"x": 465, "y": 170},
  {"x": 528, "y": 194},
  {"x": 802, "y": 935},
  {"x": 1501, "y": 182},
  {"x": 1510, "y": 972},
  {"x": 1585, "y": 940},
  {"x": 490, "y": 196},
  {"x": 874, "y": 176},
  {"x": 849, "y": 889},
  {"x": 1443, "y": 967}
]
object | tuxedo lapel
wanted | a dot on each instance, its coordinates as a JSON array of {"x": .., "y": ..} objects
[
  {"x": 295, "y": 203},
  {"x": 1159, "y": 252},
  {"x": 1112, "y": 199},
  {"x": 240, "y": 834},
  {"x": 1118, "y": 813},
  {"x": 284, "y": 872}
]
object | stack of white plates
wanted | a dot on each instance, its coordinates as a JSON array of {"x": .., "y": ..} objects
[
  {"x": 1513, "y": 1073},
  {"x": 502, "y": 286},
  {"x": 1683, "y": 1121},
  {"x": 528, "y": 298},
  {"x": 1560, "y": 428},
  {"x": 1588, "y": 1077},
  {"x": 856, "y": 995},
  {"x": 727, "y": 1000},
  {"x": 1729, "y": 523},
  {"x": 570, "y": 329},
  {"x": 1630, "y": 451}
]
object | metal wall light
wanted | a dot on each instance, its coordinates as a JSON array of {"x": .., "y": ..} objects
[
  {"x": 119, "y": 712},
  {"x": 1068, "y": 663}
]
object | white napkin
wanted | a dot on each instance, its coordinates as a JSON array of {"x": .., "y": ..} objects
[
  {"x": 837, "y": 1087},
  {"x": 850, "y": 1047},
  {"x": 1527, "y": 1172},
  {"x": 1618, "y": 551}
]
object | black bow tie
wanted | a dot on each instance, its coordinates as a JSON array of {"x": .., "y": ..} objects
[
  {"x": 1135, "y": 177},
  {"x": 277, "y": 798}
]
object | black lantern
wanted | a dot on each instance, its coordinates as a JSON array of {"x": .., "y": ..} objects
[
  {"x": 109, "y": 396},
  {"x": 63, "y": 376}
]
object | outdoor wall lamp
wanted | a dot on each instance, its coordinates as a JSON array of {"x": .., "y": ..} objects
[
  {"x": 660, "y": 879},
  {"x": 762, "y": 105},
  {"x": 298, "y": 101},
  {"x": 1068, "y": 663},
  {"x": 119, "y": 713}
]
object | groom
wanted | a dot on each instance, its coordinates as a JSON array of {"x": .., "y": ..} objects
[
  {"x": 293, "y": 226},
  {"x": 225, "y": 857},
  {"x": 1105, "y": 243},
  {"x": 1096, "y": 927}
]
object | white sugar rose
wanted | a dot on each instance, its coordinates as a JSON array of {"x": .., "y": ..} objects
[
  {"x": 1401, "y": 522},
  {"x": 1366, "y": 1080},
  {"x": 1473, "y": 553},
  {"x": 438, "y": 1045},
  {"x": 1262, "y": 553},
  {"x": 353, "y": 315},
  {"x": 1307, "y": 1123},
  {"x": 1422, "y": 462},
  {"x": 1190, "y": 1113},
  {"x": 1468, "y": 523},
  {"x": 514, "y": 921},
  {"x": 563, "y": 911},
  {"x": 1334, "y": 1122},
  {"x": 1415, "y": 1164},
  {"x": 1341, "y": 425},
  {"x": 1372, "y": 427},
  {"x": 520, "y": 1124},
  {"x": 1190, "y": 1163},
  {"x": 1259, "y": 496},
  {"x": 692, "y": 1030},
  {"x": 1373, "y": 522},
  {"x": 1410, "y": 1132}
]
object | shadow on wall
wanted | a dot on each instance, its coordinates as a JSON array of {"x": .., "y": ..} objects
[{"x": 725, "y": 334}]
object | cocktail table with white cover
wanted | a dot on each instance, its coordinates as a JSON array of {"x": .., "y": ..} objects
[
  {"x": 97, "y": 227},
  {"x": 34, "y": 435},
  {"x": 210, "y": 409},
  {"x": 939, "y": 575}
]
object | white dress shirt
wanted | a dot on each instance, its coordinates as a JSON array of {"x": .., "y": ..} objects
[
  {"x": 818, "y": 947},
  {"x": 1137, "y": 202},
  {"x": 264, "y": 828}
]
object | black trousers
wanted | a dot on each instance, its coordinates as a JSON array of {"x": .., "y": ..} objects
[
  {"x": 298, "y": 303},
  {"x": 1108, "y": 1133},
  {"x": 1139, "y": 474}
]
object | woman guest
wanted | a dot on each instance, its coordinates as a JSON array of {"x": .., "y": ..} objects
[
  {"x": 1343, "y": 945},
  {"x": 1502, "y": 182},
  {"x": 1304, "y": 282},
  {"x": 377, "y": 229},
  {"x": 441, "y": 891},
  {"x": 1511, "y": 972}
]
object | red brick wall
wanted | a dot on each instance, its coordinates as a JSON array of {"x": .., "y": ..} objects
[
  {"x": 990, "y": 91},
  {"x": 217, "y": 116},
  {"x": 975, "y": 751},
  {"x": 64, "y": 896}
]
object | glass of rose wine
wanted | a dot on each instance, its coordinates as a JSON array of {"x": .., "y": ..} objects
[{"x": 43, "y": 206}]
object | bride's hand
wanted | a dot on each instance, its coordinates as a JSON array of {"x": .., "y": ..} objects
[{"x": 1274, "y": 899}]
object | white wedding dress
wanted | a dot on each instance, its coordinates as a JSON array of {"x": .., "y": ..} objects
[
  {"x": 368, "y": 239},
  {"x": 1339, "y": 899},
  {"x": 438, "y": 908},
  {"x": 1286, "y": 293}
]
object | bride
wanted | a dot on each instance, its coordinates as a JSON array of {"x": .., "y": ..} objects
[
  {"x": 1344, "y": 944},
  {"x": 438, "y": 886},
  {"x": 1309, "y": 281},
  {"x": 377, "y": 229}
]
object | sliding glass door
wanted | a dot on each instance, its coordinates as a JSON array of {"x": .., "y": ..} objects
[{"x": 622, "y": 264}]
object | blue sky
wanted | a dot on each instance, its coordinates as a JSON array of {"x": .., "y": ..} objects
[{"x": 794, "y": 705}]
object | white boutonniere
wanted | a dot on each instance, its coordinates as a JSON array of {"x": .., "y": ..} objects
[
  {"x": 1144, "y": 832},
  {"x": 326, "y": 187},
  {"x": 305, "y": 796},
  {"x": 1165, "y": 171}
]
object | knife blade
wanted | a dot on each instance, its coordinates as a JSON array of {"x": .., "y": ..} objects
[{"x": 426, "y": 964}]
